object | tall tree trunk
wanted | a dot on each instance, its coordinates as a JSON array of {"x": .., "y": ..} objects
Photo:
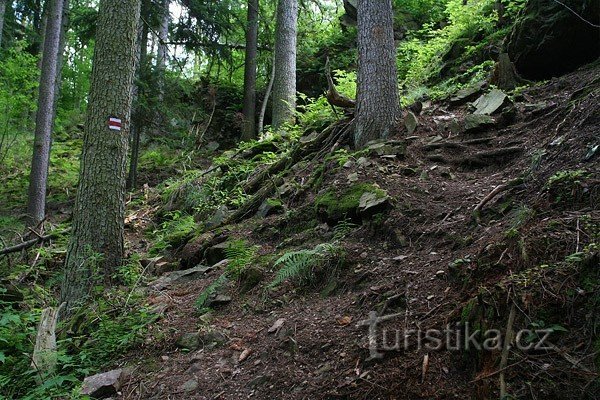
[
  {"x": 249, "y": 109},
  {"x": 137, "y": 125},
  {"x": 95, "y": 249},
  {"x": 263, "y": 106},
  {"x": 162, "y": 48},
  {"x": 2, "y": 13},
  {"x": 38, "y": 178},
  {"x": 284, "y": 85},
  {"x": 62, "y": 42},
  {"x": 377, "y": 100}
]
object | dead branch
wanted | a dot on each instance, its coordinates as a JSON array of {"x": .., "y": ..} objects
[
  {"x": 28, "y": 243},
  {"x": 507, "y": 345},
  {"x": 333, "y": 96},
  {"x": 497, "y": 190}
]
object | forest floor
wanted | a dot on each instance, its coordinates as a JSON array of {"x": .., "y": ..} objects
[{"x": 428, "y": 260}]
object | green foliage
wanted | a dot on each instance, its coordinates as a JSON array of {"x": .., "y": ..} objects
[
  {"x": 211, "y": 289},
  {"x": 421, "y": 57},
  {"x": 301, "y": 266},
  {"x": 240, "y": 255},
  {"x": 173, "y": 232},
  {"x": 565, "y": 177},
  {"x": 343, "y": 205}
]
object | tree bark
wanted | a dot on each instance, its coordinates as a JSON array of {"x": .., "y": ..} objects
[
  {"x": 263, "y": 106},
  {"x": 137, "y": 125},
  {"x": 377, "y": 100},
  {"x": 162, "y": 50},
  {"x": 38, "y": 178},
  {"x": 2, "y": 13},
  {"x": 95, "y": 249},
  {"x": 249, "y": 109},
  {"x": 284, "y": 85}
]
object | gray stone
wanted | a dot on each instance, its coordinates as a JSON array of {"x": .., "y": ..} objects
[
  {"x": 259, "y": 380},
  {"x": 467, "y": 94},
  {"x": 189, "y": 341},
  {"x": 102, "y": 385},
  {"x": 371, "y": 203},
  {"x": 189, "y": 386},
  {"x": 218, "y": 217},
  {"x": 491, "y": 102},
  {"x": 216, "y": 253},
  {"x": 178, "y": 277},
  {"x": 474, "y": 123},
  {"x": 410, "y": 122},
  {"x": 213, "y": 339},
  {"x": 212, "y": 146},
  {"x": 219, "y": 300},
  {"x": 269, "y": 207},
  {"x": 383, "y": 147}
]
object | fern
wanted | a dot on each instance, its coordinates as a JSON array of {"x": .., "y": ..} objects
[
  {"x": 239, "y": 255},
  {"x": 210, "y": 290},
  {"x": 299, "y": 265}
]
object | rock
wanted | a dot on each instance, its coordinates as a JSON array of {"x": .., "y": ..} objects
[
  {"x": 189, "y": 386},
  {"x": 213, "y": 339},
  {"x": 102, "y": 385},
  {"x": 216, "y": 253},
  {"x": 269, "y": 207},
  {"x": 178, "y": 277},
  {"x": 218, "y": 300},
  {"x": 550, "y": 39},
  {"x": 212, "y": 146},
  {"x": 475, "y": 123},
  {"x": 189, "y": 341},
  {"x": 371, "y": 203},
  {"x": 218, "y": 217},
  {"x": 363, "y": 162},
  {"x": 467, "y": 94},
  {"x": 193, "y": 252},
  {"x": 382, "y": 147},
  {"x": 491, "y": 102},
  {"x": 410, "y": 122},
  {"x": 353, "y": 177},
  {"x": 276, "y": 326},
  {"x": 591, "y": 152}
]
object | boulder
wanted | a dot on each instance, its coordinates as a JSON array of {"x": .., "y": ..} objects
[
  {"x": 410, "y": 122},
  {"x": 371, "y": 203},
  {"x": 467, "y": 94},
  {"x": 193, "y": 252},
  {"x": 551, "y": 39},
  {"x": 102, "y": 385},
  {"x": 183, "y": 276},
  {"x": 491, "y": 102},
  {"x": 475, "y": 123},
  {"x": 216, "y": 253}
]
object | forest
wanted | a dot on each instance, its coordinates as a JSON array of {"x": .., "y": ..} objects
[{"x": 299, "y": 199}]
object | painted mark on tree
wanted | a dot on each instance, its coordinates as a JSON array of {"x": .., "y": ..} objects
[{"x": 114, "y": 123}]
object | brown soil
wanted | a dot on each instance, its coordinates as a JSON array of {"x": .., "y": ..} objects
[{"x": 321, "y": 353}]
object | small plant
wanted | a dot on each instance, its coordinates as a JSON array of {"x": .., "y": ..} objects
[
  {"x": 211, "y": 289},
  {"x": 301, "y": 265},
  {"x": 240, "y": 255}
]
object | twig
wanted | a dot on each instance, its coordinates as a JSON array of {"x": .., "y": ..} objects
[
  {"x": 497, "y": 190},
  {"x": 504, "y": 358},
  {"x": 31, "y": 242}
]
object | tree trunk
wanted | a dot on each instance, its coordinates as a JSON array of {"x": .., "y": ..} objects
[
  {"x": 263, "y": 107},
  {"x": 96, "y": 246},
  {"x": 162, "y": 50},
  {"x": 249, "y": 109},
  {"x": 38, "y": 178},
  {"x": 2, "y": 13},
  {"x": 377, "y": 101},
  {"x": 284, "y": 85},
  {"x": 137, "y": 125},
  {"x": 62, "y": 41}
]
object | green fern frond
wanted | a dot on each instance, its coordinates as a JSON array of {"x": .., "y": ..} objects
[
  {"x": 299, "y": 265},
  {"x": 240, "y": 255},
  {"x": 210, "y": 290}
]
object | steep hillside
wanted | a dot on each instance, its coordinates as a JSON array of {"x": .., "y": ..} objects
[{"x": 479, "y": 219}]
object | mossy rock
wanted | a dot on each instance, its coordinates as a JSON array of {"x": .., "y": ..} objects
[{"x": 333, "y": 206}]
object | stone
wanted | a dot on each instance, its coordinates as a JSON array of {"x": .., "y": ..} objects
[
  {"x": 474, "y": 123},
  {"x": 491, "y": 102},
  {"x": 189, "y": 341},
  {"x": 549, "y": 39},
  {"x": 353, "y": 177},
  {"x": 218, "y": 217},
  {"x": 193, "y": 252},
  {"x": 212, "y": 146},
  {"x": 218, "y": 300},
  {"x": 269, "y": 207},
  {"x": 382, "y": 147},
  {"x": 410, "y": 122},
  {"x": 102, "y": 385},
  {"x": 187, "y": 275},
  {"x": 276, "y": 326},
  {"x": 212, "y": 339},
  {"x": 467, "y": 94},
  {"x": 371, "y": 203},
  {"x": 189, "y": 386},
  {"x": 216, "y": 253}
]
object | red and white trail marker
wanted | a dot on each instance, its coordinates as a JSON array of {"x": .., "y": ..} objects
[{"x": 114, "y": 124}]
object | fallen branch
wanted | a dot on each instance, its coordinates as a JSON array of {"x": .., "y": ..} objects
[
  {"x": 497, "y": 190},
  {"x": 507, "y": 345},
  {"x": 28, "y": 243}
]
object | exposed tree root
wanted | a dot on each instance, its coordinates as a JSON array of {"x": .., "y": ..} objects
[{"x": 497, "y": 190}]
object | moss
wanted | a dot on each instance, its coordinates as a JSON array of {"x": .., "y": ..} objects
[
  {"x": 344, "y": 205},
  {"x": 274, "y": 202}
]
